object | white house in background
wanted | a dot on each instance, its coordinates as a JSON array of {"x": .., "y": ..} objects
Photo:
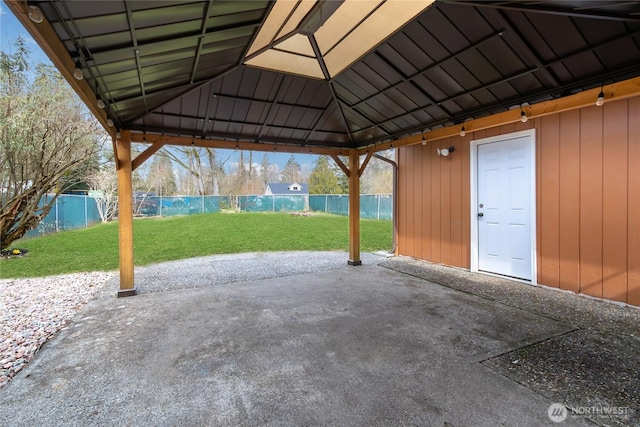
[{"x": 286, "y": 189}]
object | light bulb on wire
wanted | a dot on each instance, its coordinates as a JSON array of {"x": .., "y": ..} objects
[
  {"x": 35, "y": 14},
  {"x": 77, "y": 72}
]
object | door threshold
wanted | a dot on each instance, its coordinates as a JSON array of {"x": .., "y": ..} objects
[{"x": 504, "y": 276}]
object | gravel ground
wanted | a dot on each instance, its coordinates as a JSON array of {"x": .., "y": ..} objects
[
  {"x": 583, "y": 369},
  {"x": 33, "y": 310},
  {"x": 223, "y": 269},
  {"x": 595, "y": 367}
]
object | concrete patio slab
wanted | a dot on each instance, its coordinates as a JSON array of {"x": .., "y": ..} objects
[{"x": 349, "y": 346}]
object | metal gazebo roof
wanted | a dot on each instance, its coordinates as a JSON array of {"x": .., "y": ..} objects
[{"x": 180, "y": 68}]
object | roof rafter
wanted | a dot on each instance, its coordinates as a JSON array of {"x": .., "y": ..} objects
[
  {"x": 203, "y": 31},
  {"x": 436, "y": 64},
  {"x": 580, "y": 12},
  {"x": 136, "y": 51},
  {"x": 233, "y": 145}
]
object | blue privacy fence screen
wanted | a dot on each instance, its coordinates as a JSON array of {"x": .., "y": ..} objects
[
  {"x": 78, "y": 211},
  {"x": 69, "y": 211}
]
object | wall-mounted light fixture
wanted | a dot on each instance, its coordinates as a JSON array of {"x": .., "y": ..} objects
[
  {"x": 523, "y": 115},
  {"x": 600, "y": 100},
  {"x": 424, "y": 140},
  {"x": 462, "y": 132},
  {"x": 110, "y": 123},
  {"x": 444, "y": 152},
  {"x": 35, "y": 13},
  {"x": 77, "y": 72}
]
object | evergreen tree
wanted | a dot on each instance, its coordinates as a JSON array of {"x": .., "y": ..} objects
[
  {"x": 291, "y": 171},
  {"x": 323, "y": 179}
]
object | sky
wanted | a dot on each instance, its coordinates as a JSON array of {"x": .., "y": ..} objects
[{"x": 11, "y": 28}]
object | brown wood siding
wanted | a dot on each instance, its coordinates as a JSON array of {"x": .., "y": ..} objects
[
  {"x": 425, "y": 177},
  {"x": 614, "y": 200},
  {"x": 633, "y": 191},
  {"x": 417, "y": 196},
  {"x": 436, "y": 191},
  {"x": 588, "y": 200},
  {"x": 569, "y": 195},
  {"x": 548, "y": 205}
]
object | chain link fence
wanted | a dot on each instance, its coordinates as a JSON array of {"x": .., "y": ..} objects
[{"x": 79, "y": 211}]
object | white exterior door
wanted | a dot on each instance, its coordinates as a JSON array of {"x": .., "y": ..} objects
[{"x": 504, "y": 206}]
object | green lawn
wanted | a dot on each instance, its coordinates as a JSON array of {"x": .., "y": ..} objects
[{"x": 163, "y": 239}]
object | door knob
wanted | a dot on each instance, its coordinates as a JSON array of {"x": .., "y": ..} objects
[{"x": 480, "y": 215}]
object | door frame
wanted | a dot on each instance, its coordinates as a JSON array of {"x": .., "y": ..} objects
[{"x": 473, "y": 145}]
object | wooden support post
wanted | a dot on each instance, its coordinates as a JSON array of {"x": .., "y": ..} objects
[
  {"x": 125, "y": 214},
  {"x": 354, "y": 208}
]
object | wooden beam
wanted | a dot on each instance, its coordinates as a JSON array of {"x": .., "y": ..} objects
[
  {"x": 339, "y": 162},
  {"x": 365, "y": 163},
  {"x": 125, "y": 215},
  {"x": 144, "y": 156},
  {"x": 233, "y": 145},
  {"x": 46, "y": 37},
  {"x": 621, "y": 90},
  {"x": 354, "y": 209}
]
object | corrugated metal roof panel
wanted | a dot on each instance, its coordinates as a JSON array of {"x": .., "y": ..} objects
[{"x": 455, "y": 61}]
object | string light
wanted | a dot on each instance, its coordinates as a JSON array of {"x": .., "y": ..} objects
[
  {"x": 600, "y": 100},
  {"x": 35, "y": 14},
  {"x": 77, "y": 72},
  {"x": 100, "y": 103}
]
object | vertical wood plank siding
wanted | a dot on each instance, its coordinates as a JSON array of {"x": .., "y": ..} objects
[
  {"x": 587, "y": 195},
  {"x": 633, "y": 194}
]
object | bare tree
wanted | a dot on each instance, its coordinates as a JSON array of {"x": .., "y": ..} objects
[
  {"x": 202, "y": 164},
  {"x": 378, "y": 176},
  {"x": 269, "y": 171},
  {"x": 104, "y": 185},
  {"x": 161, "y": 179},
  {"x": 48, "y": 143}
]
